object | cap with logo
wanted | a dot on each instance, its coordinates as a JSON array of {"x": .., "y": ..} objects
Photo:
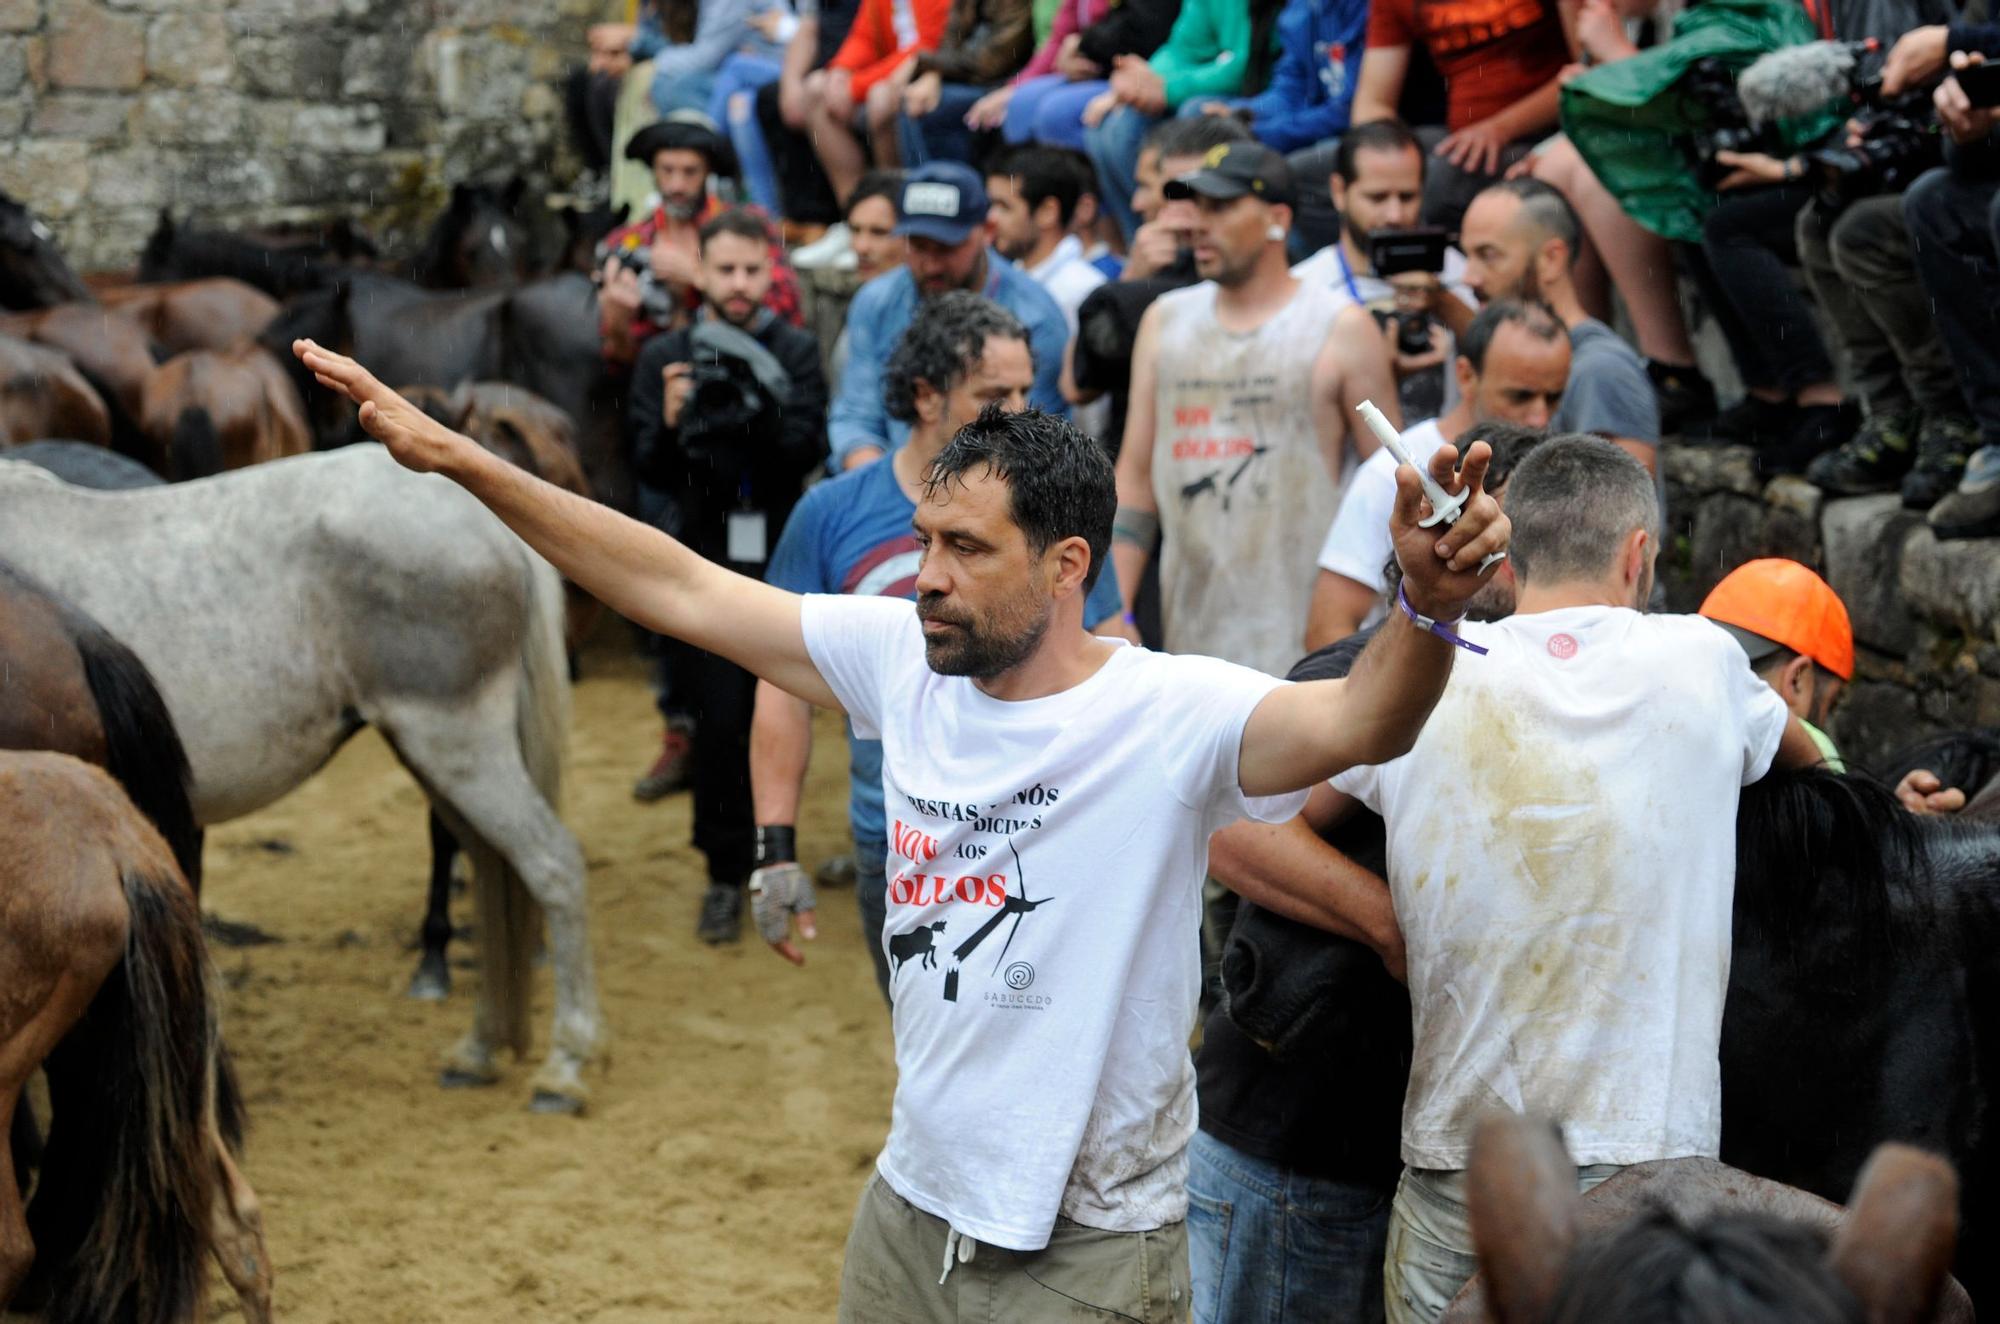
[
  {"x": 1231, "y": 170},
  {"x": 944, "y": 201},
  {"x": 1773, "y": 603}
]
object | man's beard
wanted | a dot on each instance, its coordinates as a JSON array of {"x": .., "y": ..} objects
[
  {"x": 680, "y": 209},
  {"x": 981, "y": 650}
]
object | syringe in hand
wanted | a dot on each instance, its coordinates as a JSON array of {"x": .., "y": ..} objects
[{"x": 1445, "y": 508}]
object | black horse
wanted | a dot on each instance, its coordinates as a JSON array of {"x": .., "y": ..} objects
[
  {"x": 33, "y": 271},
  {"x": 1864, "y": 989},
  {"x": 478, "y": 241},
  {"x": 281, "y": 264}
]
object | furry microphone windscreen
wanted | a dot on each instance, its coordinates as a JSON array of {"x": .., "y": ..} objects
[{"x": 1798, "y": 80}]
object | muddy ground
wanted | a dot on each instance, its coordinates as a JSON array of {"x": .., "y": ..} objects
[{"x": 729, "y": 1135}]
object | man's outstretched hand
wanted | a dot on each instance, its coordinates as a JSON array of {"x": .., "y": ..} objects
[
  {"x": 417, "y": 440},
  {"x": 1441, "y": 563}
]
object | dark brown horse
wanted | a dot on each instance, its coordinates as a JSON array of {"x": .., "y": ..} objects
[
  {"x": 210, "y": 410},
  {"x": 281, "y": 261},
  {"x": 478, "y": 240},
  {"x": 33, "y": 271},
  {"x": 194, "y": 314},
  {"x": 114, "y": 355},
  {"x": 1693, "y": 1239},
  {"x": 42, "y": 394}
]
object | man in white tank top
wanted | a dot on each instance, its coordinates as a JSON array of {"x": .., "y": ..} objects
[{"x": 1243, "y": 388}]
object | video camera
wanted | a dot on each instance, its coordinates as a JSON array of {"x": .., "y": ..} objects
[
  {"x": 656, "y": 301},
  {"x": 1395, "y": 252}
]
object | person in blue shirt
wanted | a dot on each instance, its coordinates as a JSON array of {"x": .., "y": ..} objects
[
  {"x": 1312, "y": 84},
  {"x": 942, "y": 212},
  {"x": 852, "y": 534}
]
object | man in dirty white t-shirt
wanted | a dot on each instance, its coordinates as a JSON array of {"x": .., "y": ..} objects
[
  {"x": 1050, "y": 797},
  {"x": 1562, "y": 860}
]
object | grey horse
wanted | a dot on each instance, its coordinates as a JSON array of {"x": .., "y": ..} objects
[{"x": 284, "y": 606}]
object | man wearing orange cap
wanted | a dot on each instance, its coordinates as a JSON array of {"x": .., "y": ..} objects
[{"x": 1795, "y": 630}]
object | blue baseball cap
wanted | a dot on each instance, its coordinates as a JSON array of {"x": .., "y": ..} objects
[{"x": 943, "y": 200}]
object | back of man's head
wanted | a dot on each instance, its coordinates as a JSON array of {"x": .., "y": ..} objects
[
  {"x": 1387, "y": 136},
  {"x": 1531, "y": 315},
  {"x": 1196, "y": 135},
  {"x": 945, "y": 341},
  {"x": 1573, "y": 503},
  {"x": 1546, "y": 211}
]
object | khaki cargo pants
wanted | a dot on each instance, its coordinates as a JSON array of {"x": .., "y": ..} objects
[{"x": 896, "y": 1252}]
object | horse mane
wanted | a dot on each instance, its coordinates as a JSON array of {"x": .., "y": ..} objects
[
  {"x": 1748, "y": 1268},
  {"x": 1817, "y": 850}
]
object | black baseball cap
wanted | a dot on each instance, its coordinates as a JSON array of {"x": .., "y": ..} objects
[{"x": 1231, "y": 170}]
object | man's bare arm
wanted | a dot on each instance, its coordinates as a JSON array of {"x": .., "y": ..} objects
[
  {"x": 1379, "y": 85},
  {"x": 1130, "y": 547},
  {"x": 780, "y": 751},
  {"x": 1303, "y": 734},
  {"x": 1353, "y": 365},
  {"x": 632, "y": 568}
]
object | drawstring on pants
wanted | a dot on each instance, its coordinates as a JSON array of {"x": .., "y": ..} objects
[{"x": 954, "y": 1240}]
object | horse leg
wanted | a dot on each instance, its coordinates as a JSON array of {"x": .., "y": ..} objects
[
  {"x": 475, "y": 767},
  {"x": 17, "y": 1248},
  {"x": 24, "y": 1142},
  {"x": 236, "y": 1225},
  {"x": 432, "y": 981}
]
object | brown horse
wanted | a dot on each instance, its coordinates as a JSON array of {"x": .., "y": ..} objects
[
  {"x": 112, "y": 352},
  {"x": 43, "y": 395},
  {"x": 1691, "y": 1238},
  {"x": 209, "y": 410},
  {"x": 194, "y": 314},
  {"x": 110, "y": 992}
]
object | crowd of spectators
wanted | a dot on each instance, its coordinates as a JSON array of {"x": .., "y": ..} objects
[{"x": 1208, "y": 229}]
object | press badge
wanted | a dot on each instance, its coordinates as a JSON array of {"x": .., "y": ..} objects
[{"x": 747, "y": 540}]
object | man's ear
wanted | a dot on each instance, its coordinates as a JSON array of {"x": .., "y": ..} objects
[
  {"x": 1048, "y": 215},
  {"x": 929, "y": 401},
  {"x": 1468, "y": 376},
  {"x": 1336, "y": 188},
  {"x": 1552, "y": 261},
  {"x": 1070, "y": 560},
  {"x": 1793, "y": 677},
  {"x": 1638, "y": 550}
]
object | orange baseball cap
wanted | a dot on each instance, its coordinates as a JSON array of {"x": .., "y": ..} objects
[{"x": 1785, "y": 604}]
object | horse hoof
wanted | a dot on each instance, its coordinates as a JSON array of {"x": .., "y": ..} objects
[
  {"x": 430, "y": 985},
  {"x": 548, "y": 1101},
  {"x": 455, "y": 1078}
]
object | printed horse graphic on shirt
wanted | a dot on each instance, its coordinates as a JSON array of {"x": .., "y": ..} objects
[
  {"x": 918, "y": 942},
  {"x": 1016, "y": 905}
]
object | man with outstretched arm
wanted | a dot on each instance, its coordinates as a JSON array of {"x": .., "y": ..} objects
[{"x": 1050, "y": 796}]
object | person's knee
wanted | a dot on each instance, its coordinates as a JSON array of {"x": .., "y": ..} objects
[{"x": 1923, "y": 202}]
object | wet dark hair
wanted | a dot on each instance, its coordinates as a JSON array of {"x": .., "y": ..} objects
[
  {"x": 876, "y": 184},
  {"x": 1060, "y": 482},
  {"x": 1511, "y": 444},
  {"x": 945, "y": 339},
  {"x": 1531, "y": 315},
  {"x": 1377, "y": 136},
  {"x": 1731, "y": 1268},
  {"x": 739, "y": 221},
  {"x": 1042, "y": 173}
]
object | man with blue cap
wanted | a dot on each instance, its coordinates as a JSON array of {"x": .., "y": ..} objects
[{"x": 942, "y": 212}]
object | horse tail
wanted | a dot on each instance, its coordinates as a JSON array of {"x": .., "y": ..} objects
[
  {"x": 128, "y": 1163},
  {"x": 197, "y": 451},
  {"x": 509, "y": 919},
  {"x": 142, "y": 749}
]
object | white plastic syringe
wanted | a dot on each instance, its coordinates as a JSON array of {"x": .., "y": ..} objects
[{"x": 1445, "y": 508}]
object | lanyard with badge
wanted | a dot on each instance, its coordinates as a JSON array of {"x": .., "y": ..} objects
[
  {"x": 1347, "y": 274},
  {"x": 748, "y": 535}
]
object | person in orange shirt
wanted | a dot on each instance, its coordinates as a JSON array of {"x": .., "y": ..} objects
[{"x": 862, "y": 86}]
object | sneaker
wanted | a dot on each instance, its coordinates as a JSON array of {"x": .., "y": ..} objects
[
  {"x": 1944, "y": 443},
  {"x": 669, "y": 772},
  {"x": 1973, "y": 511},
  {"x": 1874, "y": 459},
  {"x": 1685, "y": 396},
  {"x": 1815, "y": 430},
  {"x": 1749, "y": 422},
  {"x": 825, "y": 251},
  {"x": 721, "y": 914}
]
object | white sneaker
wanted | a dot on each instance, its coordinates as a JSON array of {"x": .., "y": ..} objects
[{"x": 824, "y": 251}]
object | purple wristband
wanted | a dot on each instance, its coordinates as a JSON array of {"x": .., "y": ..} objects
[{"x": 1442, "y": 631}]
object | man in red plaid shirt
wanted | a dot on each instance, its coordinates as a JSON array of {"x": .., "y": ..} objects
[{"x": 684, "y": 150}]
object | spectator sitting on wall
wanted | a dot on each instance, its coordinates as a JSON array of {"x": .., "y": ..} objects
[
  {"x": 651, "y": 269},
  {"x": 984, "y": 43}
]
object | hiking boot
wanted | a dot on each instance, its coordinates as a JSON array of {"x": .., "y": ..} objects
[
  {"x": 1685, "y": 396},
  {"x": 1815, "y": 430},
  {"x": 1944, "y": 443},
  {"x": 1973, "y": 511},
  {"x": 721, "y": 914},
  {"x": 669, "y": 772},
  {"x": 1874, "y": 459},
  {"x": 1749, "y": 422}
]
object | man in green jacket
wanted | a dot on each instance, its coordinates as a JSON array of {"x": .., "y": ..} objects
[{"x": 1218, "y": 48}]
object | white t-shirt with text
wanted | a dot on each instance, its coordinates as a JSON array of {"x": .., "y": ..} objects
[
  {"x": 1562, "y": 857},
  {"x": 1045, "y": 866}
]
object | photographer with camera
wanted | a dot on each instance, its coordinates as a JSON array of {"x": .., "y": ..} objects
[
  {"x": 1954, "y": 218},
  {"x": 728, "y": 415},
  {"x": 649, "y": 271}
]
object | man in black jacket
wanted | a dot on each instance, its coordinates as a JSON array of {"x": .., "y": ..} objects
[{"x": 728, "y": 415}]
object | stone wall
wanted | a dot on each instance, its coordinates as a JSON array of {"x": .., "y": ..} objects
[
  {"x": 272, "y": 110},
  {"x": 1926, "y": 613}
]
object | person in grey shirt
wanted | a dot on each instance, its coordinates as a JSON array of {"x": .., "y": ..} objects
[{"x": 1520, "y": 239}]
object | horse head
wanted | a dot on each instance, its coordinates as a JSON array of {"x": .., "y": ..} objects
[
  {"x": 1691, "y": 1238},
  {"x": 478, "y": 241},
  {"x": 33, "y": 271}
]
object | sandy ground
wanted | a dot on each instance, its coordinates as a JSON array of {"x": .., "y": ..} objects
[{"x": 728, "y": 1138}]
